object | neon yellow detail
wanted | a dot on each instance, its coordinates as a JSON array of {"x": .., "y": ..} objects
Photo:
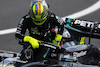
[
  {"x": 71, "y": 23},
  {"x": 37, "y": 15},
  {"x": 34, "y": 8},
  {"x": 3, "y": 65},
  {"x": 57, "y": 39},
  {"x": 39, "y": 9},
  {"x": 32, "y": 41},
  {"x": 39, "y": 23},
  {"x": 82, "y": 41},
  {"x": 39, "y": 19},
  {"x": 74, "y": 19},
  {"x": 95, "y": 30}
]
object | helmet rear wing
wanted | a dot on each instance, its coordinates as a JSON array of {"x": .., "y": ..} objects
[{"x": 83, "y": 27}]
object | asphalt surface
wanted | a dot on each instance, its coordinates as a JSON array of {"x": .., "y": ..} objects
[{"x": 11, "y": 11}]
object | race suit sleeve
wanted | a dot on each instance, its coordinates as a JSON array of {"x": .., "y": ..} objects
[
  {"x": 21, "y": 29},
  {"x": 57, "y": 27},
  {"x": 57, "y": 24}
]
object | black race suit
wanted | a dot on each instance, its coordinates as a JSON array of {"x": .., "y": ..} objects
[{"x": 46, "y": 32}]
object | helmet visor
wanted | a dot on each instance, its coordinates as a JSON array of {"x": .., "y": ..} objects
[{"x": 39, "y": 17}]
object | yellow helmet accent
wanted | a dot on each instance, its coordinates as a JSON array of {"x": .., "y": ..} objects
[
  {"x": 38, "y": 8},
  {"x": 38, "y": 13}
]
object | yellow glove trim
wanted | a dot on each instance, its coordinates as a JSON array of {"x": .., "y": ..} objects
[
  {"x": 82, "y": 41},
  {"x": 57, "y": 39},
  {"x": 32, "y": 41}
]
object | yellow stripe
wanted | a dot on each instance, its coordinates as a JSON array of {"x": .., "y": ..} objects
[
  {"x": 42, "y": 8},
  {"x": 34, "y": 8},
  {"x": 38, "y": 19},
  {"x": 39, "y": 23},
  {"x": 82, "y": 41},
  {"x": 3, "y": 65},
  {"x": 39, "y": 8}
]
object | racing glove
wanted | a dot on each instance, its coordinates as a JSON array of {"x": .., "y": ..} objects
[
  {"x": 34, "y": 42},
  {"x": 57, "y": 39}
]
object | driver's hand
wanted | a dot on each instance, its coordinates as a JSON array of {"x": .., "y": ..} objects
[
  {"x": 34, "y": 42},
  {"x": 57, "y": 39}
]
